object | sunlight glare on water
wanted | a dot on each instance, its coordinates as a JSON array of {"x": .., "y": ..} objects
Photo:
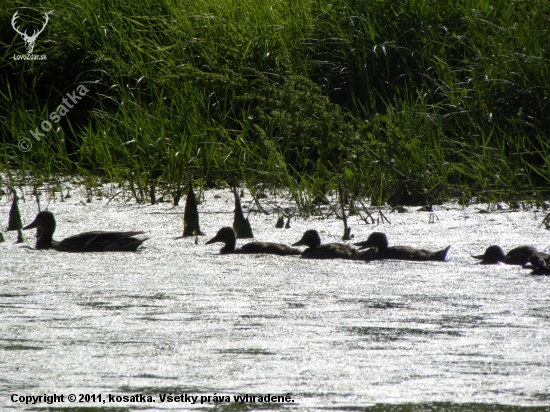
[{"x": 177, "y": 317}]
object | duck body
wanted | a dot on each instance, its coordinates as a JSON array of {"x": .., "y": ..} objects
[
  {"x": 99, "y": 242},
  {"x": 316, "y": 250},
  {"x": 227, "y": 236},
  {"x": 330, "y": 251},
  {"x": 409, "y": 253},
  {"x": 519, "y": 255},
  {"x": 83, "y": 242},
  {"x": 378, "y": 242},
  {"x": 495, "y": 254}
]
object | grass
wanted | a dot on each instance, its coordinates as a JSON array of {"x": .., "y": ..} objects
[{"x": 414, "y": 102}]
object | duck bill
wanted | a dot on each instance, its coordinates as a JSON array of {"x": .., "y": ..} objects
[
  {"x": 213, "y": 240},
  {"x": 480, "y": 257},
  {"x": 299, "y": 243},
  {"x": 362, "y": 245},
  {"x": 31, "y": 226}
]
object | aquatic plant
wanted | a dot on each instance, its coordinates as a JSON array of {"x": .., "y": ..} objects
[
  {"x": 241, "y": 225},
  {"x": 406, "y": 103},
  {"x": 14, "y": 221},
  {"x": 191, "y": 225}
]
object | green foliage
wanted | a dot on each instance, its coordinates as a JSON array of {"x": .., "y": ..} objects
[{"x": 406, "y": 102}]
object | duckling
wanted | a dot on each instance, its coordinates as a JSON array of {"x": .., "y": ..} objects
[
  {"x": 517, "y": 256},
  {"x": 83, "y": 242},
  {"x": 315, "y": 250},
  {"x": 379, "y": 242},
  {"x": 227, "y": 236}
]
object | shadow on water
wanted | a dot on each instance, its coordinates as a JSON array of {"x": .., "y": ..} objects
[
  {"x": 156, "y": 296},
  {"x": 114, "y": 306},
  {"x": 376, "y": 303},
  {"x": 20, "y": 347},
  {"x": 247, "y": 351},
  {"x": 262, "y": 316},
  {"x": 452, "y": 321},
  {"x": 296, "y": 305},
  {"x": 14, "y": 295},
  {"x": 18, "y": 344},
  {"x": 541, "y": 313},
  {"x": 384, "y": 334},
  {"x": 151, "y": 376},
  {"x": 155, "y": 390},
  {"x": 104, "y": 305}
]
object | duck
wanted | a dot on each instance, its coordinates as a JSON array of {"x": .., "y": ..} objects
[
  {"x": 540, "y": 263},
  {"x": 517, "y": 256},
  {"x": 83, "y": 242},
  {"x": 228, "y": 237},
  {"x": 315, "y": 250},
  {"x": 378, "y": 241}
]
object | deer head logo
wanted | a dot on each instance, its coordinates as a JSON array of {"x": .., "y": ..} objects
[{"x": 29, "y": 40}]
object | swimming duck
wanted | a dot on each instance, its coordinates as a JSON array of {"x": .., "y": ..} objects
[
  {"x": 517, "y": 256},
  {"x": 83, "y": 242},
  {"x": 227, "y": 236},
  {"x": 540, "y": 263},
  {"x": 315, "y": 250},
  {"x": 379, "y": 242}
]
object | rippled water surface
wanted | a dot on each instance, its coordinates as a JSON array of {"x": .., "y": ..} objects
[{"x": 178, "y": 318}]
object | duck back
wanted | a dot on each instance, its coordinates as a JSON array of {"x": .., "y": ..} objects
[
  {"x": 267, "y": 248},
  {"x": 100, "y": 242},
  {"x": 330, "y": 251},
  {"x": 409, "y": 253},
  {"x": 519, "y": 255}
]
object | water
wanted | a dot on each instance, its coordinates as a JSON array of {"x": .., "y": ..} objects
[{"x": 178, "y": 318}]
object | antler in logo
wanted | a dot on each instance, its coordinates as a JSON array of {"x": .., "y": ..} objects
[{"x": 29, "y": 40}]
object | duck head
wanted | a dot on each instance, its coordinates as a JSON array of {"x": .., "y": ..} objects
[
  {"x": 493, "y": 254},
  {"x": 44, "y": 222},
  {"x": 377, "y": 240},
  {"x": 227, "y": 236},
  {"x": 310, "y": 238},
  {"x": 45, "y": 226}
]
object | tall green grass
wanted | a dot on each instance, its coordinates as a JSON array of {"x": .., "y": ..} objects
[{"x": 405, "y": 102}]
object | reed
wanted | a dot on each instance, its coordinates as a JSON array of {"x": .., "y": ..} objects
[{"x": 413, "y": 102}]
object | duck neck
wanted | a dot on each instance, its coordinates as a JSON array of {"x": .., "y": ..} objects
[
  {"x": 45, "y": 241},
  {"x": 382, "y": 245},
  {"x": 229, "y": 247}
]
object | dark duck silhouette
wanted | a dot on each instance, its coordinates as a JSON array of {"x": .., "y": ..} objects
[
  {"x": 379, "y": 243},
  {"x": 540, "y": 263},
  {"x": 517, "y": 256},
  {"x": 83, "y": 242},
  {"x": 315, "y": 250},
  {"x": 227, "y": 236}
]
